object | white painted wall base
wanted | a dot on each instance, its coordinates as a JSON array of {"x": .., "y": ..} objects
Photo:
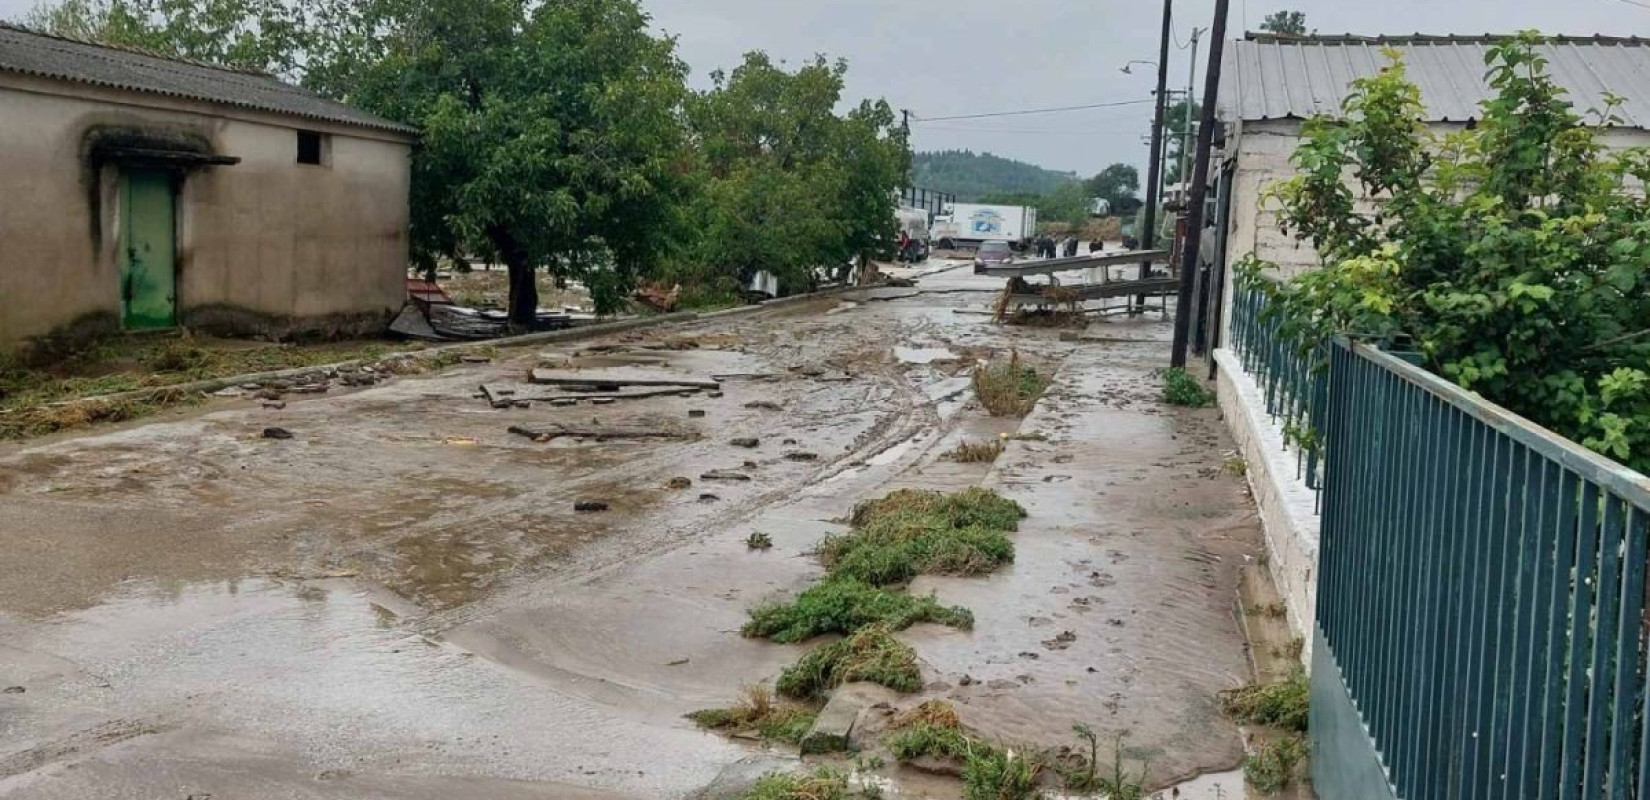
[{"x": 1287, "y": 507}]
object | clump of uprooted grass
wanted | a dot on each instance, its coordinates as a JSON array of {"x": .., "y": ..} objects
[
  {"x": 758, "y": 711},
  {"x": 1008, "y": 388},
  {"x": 1180, "y": 388},
  {"x": 1275, "y": 764},
  {"x": 844, "y": 605},
  {"x": 872, "y": 654},
  {"x": 911, "y": 532},
  {"x": 932, "y": 730},
  {"x": 1281, "y": 705},
  {"x": 977, "y": 452},
  {"x": 824, "y": 783}
]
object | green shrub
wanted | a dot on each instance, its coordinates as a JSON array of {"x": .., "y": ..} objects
[
  {"x": 844, "y": 605},
  {"x": 1281, "y": 705},
  {"x": 1181, "y": 389},
  {"x": 872, "y": 654},
  {"x": 1274, "y": 765}
]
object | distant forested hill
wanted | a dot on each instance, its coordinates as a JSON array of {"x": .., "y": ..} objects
[{"x": 972, "y": 175}]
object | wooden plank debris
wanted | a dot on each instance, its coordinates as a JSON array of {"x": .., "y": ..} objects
[
  {"x": 617, "y": 378},
  {"x": 598, "y": 433}
]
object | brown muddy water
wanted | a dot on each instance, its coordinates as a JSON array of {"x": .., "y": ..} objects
[{"x": 401, "y": 602}]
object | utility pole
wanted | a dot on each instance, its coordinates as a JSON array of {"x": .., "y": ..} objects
[
  {"x": 1186, "y": 132},
  {"x": 1148, "y": 237},
  {"x": 1200, "y": 180}
]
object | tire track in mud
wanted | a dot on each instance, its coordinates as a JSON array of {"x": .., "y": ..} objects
[{"x": 912, "y": 413}]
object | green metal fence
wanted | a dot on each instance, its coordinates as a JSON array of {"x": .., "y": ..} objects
[
  {"x": 1481, "y": 591},
  {"x": 1292, "y": 378}
]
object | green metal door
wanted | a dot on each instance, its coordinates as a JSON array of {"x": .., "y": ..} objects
[{"x": 148, "y": 263}]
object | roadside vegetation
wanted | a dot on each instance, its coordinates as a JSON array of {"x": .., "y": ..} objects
[
  {"x": 933, "y": 731},
  {"x": 1009, "y": 388},
  {"x": 1275, "y": 765},
  {"x": 1280, "y": 705},
  {"x": 47, "y": 392},
  {"x": 758, "y": 711},
  {"x": 1180, "y": 388},
  {"x": 1508, "y": 256},
  {"x": 824, "y": 783},
  {"x": 844, "y": 605}
]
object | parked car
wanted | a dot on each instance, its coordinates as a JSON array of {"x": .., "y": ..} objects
[{"x": 992, "y": 254}]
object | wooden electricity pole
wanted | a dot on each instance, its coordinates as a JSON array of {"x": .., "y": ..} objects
[
  {"x": 1200, "y": 181},
  {"x": 1148, "y": 237}
]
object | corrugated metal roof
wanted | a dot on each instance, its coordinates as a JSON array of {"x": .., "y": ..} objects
[
  {"x": 1293, "y": 77},
  {"x": 30, "y": 52}
]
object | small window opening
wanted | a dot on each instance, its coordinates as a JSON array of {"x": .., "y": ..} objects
[{"x": 309, "y": 147}]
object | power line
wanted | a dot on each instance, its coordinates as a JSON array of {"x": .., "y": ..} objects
[
  {"x": 1024, "y": 131},
  {"x": 1034, "y": 111}
]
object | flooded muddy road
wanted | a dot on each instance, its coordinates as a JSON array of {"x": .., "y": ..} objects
[{"x": 401, "y": 602}]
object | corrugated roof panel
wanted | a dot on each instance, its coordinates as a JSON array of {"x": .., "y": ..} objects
[
  {"x": 28, "y": 52},
  {"x": 1273, "y": 77}
]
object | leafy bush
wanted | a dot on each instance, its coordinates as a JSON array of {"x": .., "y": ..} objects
[
  {"x": 1181, "y": 389},
  {"x": 1274, "y": 765},
  {"x": 844, "y": 605},
  {"x": 1281, "y": 705},
  {"x": 872, "y": 654},
  {"x": 1511, "y": 256}
]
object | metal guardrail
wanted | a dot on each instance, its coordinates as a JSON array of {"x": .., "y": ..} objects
[
  {"x": 1293, "y": 379},
  {"x": 1482, "y": 589}
]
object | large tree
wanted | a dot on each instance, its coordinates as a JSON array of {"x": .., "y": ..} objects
[
  {"x": 1116, "y": 184},
  {"x": 552, "y": 137},
  {"x": 1290, "y": 23}
]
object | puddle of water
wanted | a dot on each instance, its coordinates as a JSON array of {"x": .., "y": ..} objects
[{"x": 924, "y": 355}]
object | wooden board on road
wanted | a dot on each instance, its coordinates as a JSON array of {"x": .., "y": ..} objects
[{"x": 618, "y": 377}]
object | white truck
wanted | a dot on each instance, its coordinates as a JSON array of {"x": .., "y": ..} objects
[{"x": 969, "y": 225}]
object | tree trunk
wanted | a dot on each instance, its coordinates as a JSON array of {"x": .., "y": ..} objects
[{"x": 524, "y": 289}]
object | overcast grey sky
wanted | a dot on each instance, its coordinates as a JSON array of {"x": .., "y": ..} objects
[{"x": 946, "y": 57}]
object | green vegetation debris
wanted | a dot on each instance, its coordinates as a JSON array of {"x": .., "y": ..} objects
[
  {"x": 977, "y": 452},
  {"x": 759, "y": 541},
  {"x": 1181, "y": 389},
  {"x": 974, "y": 506},
  {"x": 926, "y": 739},
  {"x": 1008, "y": 388},
  {"x": 824, "y": 783},
  {"x": 871, "y": 654},
  {"x": 1082, "y": 773},
  {"x": 1281, "y": 705},
  {"x": 844, "y": 605},
  {"x": 1001, "y": 774},
  {"x": 758, "y": 711}
]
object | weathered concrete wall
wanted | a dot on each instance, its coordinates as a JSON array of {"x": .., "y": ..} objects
[
  {"x": 264, "y": 246},
  {"x": 1287, "y": 508}
]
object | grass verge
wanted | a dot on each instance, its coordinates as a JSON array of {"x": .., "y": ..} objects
[
  {"x": 1281, "y": 705},
  {"x": 1008, "y": 388},
  {"x": 872, "y": 654},
  {"x": 845, "y": 605},
  {"x": 758, "y": 711}
]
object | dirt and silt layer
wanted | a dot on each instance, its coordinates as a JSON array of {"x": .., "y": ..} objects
[{"x": 401, "y": 602}]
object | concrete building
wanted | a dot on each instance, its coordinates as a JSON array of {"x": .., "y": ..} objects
[
  {"x": 1271, "y": 84},
  {"x": 143, "y": 192}
]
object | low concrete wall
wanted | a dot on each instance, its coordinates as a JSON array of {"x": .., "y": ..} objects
[{"x": 1287, "y": 507}]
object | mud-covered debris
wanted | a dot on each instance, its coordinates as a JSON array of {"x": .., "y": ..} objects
[
  {"x": 788, "y": 442},
  {"x": 472, "y": 358},
  {"x": 713, "y": 394},
  {"x": 765, "y": 405},
  {"x": 599, "y": 433},
  {"x": 319, "y": 387},
  {"x": 1060, "y": 642},
  {"x": 590, "y": 505},
  {"x": 1027, "y": 654},
  {"x": 267, "y": 394},
  {"x": 232, "y": 391},
  {"x": 759, "y": 541},
  {"x": 359, "y": 378},
  {"x": 679, "y": 482},
  {"x": 275, "y": 406},
  {"x": 277, "y": 433},
  {"x": 619, "y": 377},
  {"x": 601, "y": 401},
  {"x": 801, "y": 455},
  {"x": 678, "y": 662},
  {"x": 745, "y": 441},
  {"x": 13, "y": 690},
  {"x": 808, "y": 370},
  {"x": 707, "y": 497},
  {"x": 696, "y": 413},
  {"x": 966, "y": 680},
  {"x": 724, "y": 475},
  {"x": 750, "y": 465},
  {"x": 562, "y": 402}
]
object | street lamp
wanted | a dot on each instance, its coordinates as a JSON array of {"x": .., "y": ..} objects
[{"x": 1125, "y": 68}]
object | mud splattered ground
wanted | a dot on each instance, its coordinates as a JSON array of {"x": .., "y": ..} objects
[{"x": 401, "y": 602}]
